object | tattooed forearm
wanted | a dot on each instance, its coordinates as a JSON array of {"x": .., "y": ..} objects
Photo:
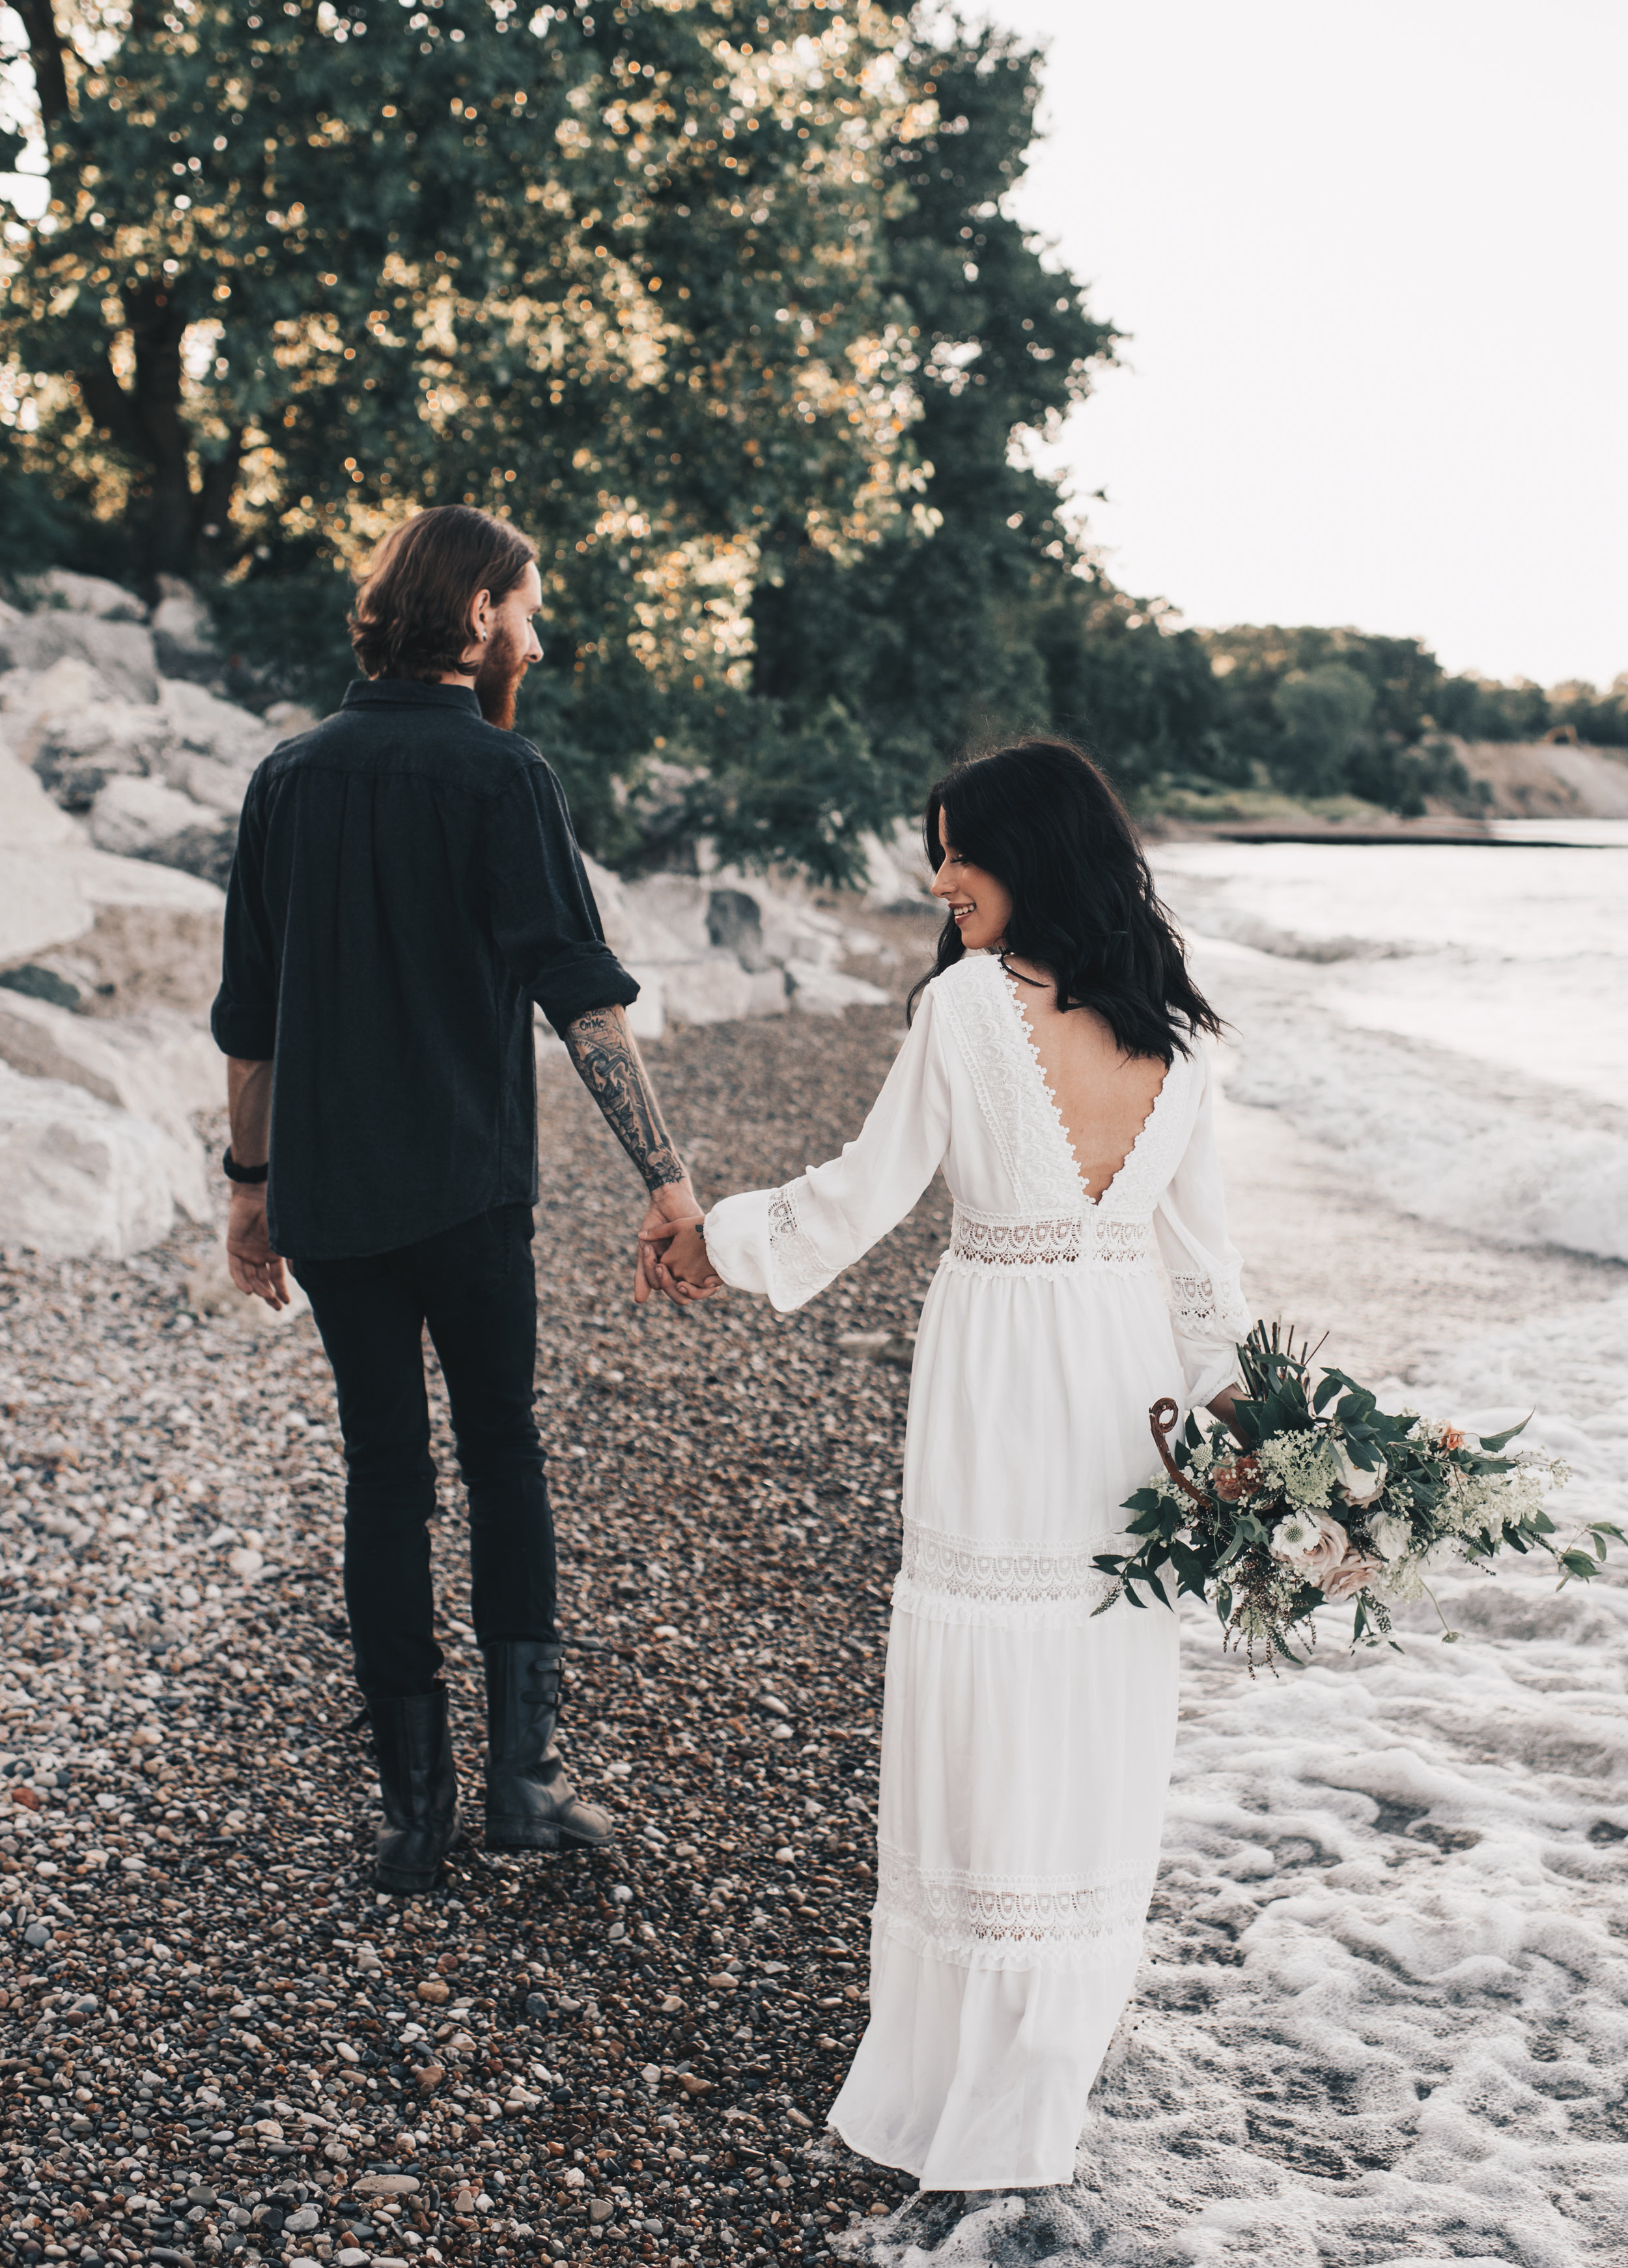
[{"x": 607, "y": 1063}]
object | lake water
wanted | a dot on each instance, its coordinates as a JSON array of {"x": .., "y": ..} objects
[{"x": 1453, "y": 1019}]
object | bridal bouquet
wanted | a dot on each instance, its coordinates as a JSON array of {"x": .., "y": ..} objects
[{"x": 1329, "y": 1497}]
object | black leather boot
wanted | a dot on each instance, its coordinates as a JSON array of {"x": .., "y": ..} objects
[
  {"x": 419, "y": 1782},
  {"x": 530, "y": 1804}
]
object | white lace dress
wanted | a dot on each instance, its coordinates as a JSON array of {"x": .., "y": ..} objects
[{"x": 1025, "y": 1746}]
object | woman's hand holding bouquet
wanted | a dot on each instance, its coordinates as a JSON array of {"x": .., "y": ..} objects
[{"x": 1321, "y": 1496}]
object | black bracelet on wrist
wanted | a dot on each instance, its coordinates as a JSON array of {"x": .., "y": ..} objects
[{"x": 234, "y": 1172}]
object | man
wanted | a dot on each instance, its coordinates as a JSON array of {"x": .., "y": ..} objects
[{"x": 406, "y": 886}]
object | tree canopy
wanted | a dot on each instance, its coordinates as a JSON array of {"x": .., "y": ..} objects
[{"x": 720, "y": 299}]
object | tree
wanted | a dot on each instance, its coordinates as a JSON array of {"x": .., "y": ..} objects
[
  {"x": 930, "y": 636},
  {"x": 607, "y": 269},
  {"x": 1324, "y": 713}
]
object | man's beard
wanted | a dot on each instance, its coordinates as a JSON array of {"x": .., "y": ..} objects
[{"x": 497, "y": 680}]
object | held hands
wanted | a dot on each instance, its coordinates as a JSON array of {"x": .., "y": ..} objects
[
  {"x": 686, "y": 1273},
  {"x": 672, "y": 1225},
  {"x": 255, "y": 1268}
]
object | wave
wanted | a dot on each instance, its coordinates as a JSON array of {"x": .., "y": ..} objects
[{"x": 1449, "y": 1138}]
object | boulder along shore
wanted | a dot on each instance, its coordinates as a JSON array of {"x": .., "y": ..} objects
[{"x": 219, "y": 2041}]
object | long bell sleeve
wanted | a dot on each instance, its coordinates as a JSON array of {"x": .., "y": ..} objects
[
  {"x": 789, "y": 1243},
  {"x": 1207, "y": 1312}
]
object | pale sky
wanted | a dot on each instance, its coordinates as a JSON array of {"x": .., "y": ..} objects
[{"x": 1375, "y": 263}]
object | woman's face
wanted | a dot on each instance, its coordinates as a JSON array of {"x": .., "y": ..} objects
[{"x": 981, "y": 906}]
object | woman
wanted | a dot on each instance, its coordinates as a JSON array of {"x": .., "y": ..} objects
[{"x": 1053, "y": 1070}]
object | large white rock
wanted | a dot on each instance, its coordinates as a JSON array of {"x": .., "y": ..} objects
[
  {"x": 202, "y": 722},
  {"x": 898, "y": 877},
  {"x": 26, "y": 694},
  {"x": 77, "y": 738},
  {"x": 155, "y": 937},
  {"x": 77, "y": 1175},
  {"x": 708, "y": 948},
  {"x": 29, "y": 818},
  {"x": 129, "y": 932},
  {"x": 76, "y": 749},
  {"x": 120, "y": 654},
  {"x": 715, "y": 989},
  {"x": 183, "y": 633},
  {"x": 84, "y": 595},
  {"x": 144, "y": 819},
  {"x": 159, "y": 1067},
  {"x": 42, "y": 904},
  {"x": 827, "y": 992},
  {"x": 647, "y": 1018}
]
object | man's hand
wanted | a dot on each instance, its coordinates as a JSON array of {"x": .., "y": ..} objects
[
  {"x": 255, "y": 1268},
  {"x": 672, "y": 1208}
]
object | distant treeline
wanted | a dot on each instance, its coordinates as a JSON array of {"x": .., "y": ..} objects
[
  {"x": 1311, "y": 712},
  {"x": 720, "y": 299}
]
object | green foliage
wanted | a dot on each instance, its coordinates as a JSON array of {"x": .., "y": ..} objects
[
  {"x": 932, "y": 637},
  {"x": 44, "y": 523},
  {"x": 1319, "y": 712},
  {"x": 1225, "y": 1520},
  {"x": 1323, "y": 716},
  {"x": 1401, "y": 779}
]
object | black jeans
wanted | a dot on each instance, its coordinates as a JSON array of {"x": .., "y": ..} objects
[{"x": 474, "y": 1287}]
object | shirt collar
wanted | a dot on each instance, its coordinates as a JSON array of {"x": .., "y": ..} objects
[{"x": 408, "y": 693}]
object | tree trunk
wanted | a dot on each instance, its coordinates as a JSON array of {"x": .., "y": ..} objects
[
  {"x": 45, "y": 53},
  {"x": 157, "y": 325}
]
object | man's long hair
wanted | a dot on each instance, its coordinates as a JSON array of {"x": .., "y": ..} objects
[
  {"x": 1039, "y": 816},
  {"x": 411, "y": 618}
]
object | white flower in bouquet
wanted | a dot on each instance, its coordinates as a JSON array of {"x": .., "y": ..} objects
[
  {"x": 1444, "y": 1554},
  {"x": 1392, "y": 1535},
  {"x": 1303, "y": 1467},
  {"x": 1359, "y": 1487},
  {"x": 1310, "y": 1542}
]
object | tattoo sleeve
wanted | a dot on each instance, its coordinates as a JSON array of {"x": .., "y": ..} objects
[{"x": 607, "y": 1063}]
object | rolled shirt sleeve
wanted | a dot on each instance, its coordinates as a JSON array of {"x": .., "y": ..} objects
[
  {"x": 244, "y": 1017},
  {"x": 544, "y": 918}
]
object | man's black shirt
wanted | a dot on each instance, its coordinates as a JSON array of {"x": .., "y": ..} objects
[{"x": 406, "y": 885}]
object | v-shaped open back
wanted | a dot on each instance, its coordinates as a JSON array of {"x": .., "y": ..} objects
[{"x": 1012, "y": 987}]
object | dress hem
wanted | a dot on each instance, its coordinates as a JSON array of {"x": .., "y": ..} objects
[{"x": 948, "y": 2189}]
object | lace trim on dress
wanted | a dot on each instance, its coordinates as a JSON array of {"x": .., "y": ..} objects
[
  {"x": 1018, "y": 1110},
  {"x": 955, "y": 1578},
  {"x": 798, "y": 1270},
  {"x": 1061, "y": 1241},
  {"x": 1199, "y": 1311},
  {"x": 1009, "y": 1921}
]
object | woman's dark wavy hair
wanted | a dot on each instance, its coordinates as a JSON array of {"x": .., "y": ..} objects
[
  {"x": 411, "y": 618},
  {"x": 1039, "y": 816}
]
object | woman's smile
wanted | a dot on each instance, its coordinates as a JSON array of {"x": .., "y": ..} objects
[{"x": 980, "y": 913}]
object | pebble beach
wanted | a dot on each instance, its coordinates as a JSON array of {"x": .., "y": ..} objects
[{"x": 219, "y": 2041}]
